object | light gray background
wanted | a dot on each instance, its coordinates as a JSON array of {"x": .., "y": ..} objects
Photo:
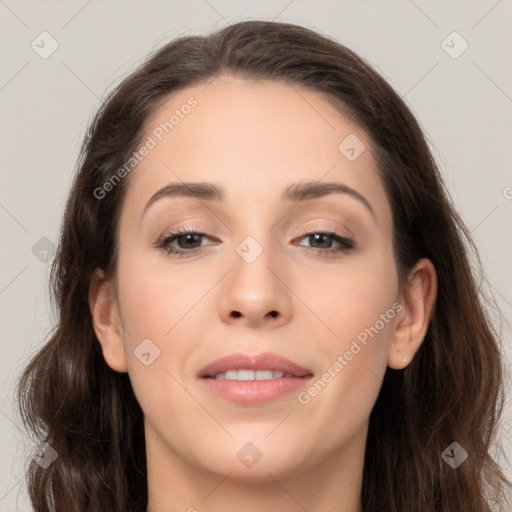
[{"x": 464, "y": 105}]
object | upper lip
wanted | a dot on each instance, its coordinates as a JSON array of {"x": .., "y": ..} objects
[{"x": 264, "y": 361}]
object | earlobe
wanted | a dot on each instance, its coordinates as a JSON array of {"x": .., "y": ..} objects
[
  {"x": 106, "y": 320},
  {"x": 418, "y": 301}
]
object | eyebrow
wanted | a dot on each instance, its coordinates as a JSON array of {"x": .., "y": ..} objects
[{"x": 295, "y": 192}]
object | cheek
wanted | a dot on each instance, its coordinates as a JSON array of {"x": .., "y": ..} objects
[
  {"x": 350, "y": 297},
  {"x": 155, "y": 297},
  {"x": 363, "y": 316},
  {"x": 159, "y": 303}
]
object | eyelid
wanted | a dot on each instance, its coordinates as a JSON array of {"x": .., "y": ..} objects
[
  {"x": 164, "y": 241},
  {"x": 345, "y": 231},
  {"x": 304, "y": 230}
]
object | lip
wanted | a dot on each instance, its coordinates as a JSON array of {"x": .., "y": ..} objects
[
  {"x": 254, "y": 392},
  {"x": 264, "y": 361}
]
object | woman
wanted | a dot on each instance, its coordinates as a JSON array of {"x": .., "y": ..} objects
[{"x": 321, "y": 345}]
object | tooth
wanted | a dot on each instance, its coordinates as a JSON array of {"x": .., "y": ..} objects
[
  {"x": 263, "y": 375},
  {"x": 251, "y": 375},
  {"x": 245, "y": 374}
]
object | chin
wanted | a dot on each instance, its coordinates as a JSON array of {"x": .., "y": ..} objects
[{"x": 253, "y": 460}]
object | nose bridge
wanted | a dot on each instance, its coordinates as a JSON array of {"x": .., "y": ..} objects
[
  {"x": 255, "y": 256},
  {"x": 256, "y": 233}
]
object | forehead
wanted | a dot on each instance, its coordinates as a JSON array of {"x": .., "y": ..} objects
[
  {"x": 283, "y": 118},
  {"x": 253, "y": 137}
]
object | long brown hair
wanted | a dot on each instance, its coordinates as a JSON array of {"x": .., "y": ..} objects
[{"x": 453, "y": 389}]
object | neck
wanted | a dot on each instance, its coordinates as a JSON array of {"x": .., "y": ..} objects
[{"x": 332, "y": 485}]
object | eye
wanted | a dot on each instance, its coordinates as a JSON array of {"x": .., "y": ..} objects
[
  {"x": 183, "y": 237},
  {"x": 189, "y": 242},
  {"x": 322, "y": 242}
]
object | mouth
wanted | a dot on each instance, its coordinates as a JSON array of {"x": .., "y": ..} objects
[
  {"x": 239, "y": 366},
  {"x": 253, "y": 379},
  {"x": 245, "y": 375}
]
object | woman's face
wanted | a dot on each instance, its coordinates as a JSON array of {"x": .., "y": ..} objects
[{"x": 260, "y": 282}]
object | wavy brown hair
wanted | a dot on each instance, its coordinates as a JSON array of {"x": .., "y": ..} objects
[{"x": 453, "y": 390}]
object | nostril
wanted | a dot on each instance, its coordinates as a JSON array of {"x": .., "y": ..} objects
[{"x": 236, "y": 314}]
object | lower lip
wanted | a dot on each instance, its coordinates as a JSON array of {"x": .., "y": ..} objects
[{"x": 254, "y": 392}]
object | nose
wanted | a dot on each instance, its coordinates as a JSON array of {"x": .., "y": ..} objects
[{"x": 255, "y": 293}]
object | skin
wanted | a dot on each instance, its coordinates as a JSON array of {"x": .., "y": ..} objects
[{"x": 253, "y": 139}]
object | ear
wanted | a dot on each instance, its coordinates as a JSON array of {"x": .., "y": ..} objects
[
  {"x": 417, "y": 300},
  {"x": 106, "y": 320}
]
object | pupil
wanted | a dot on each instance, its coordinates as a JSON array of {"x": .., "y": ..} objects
[
  {"x": 189, "y": 238},
  {"x": 318, "y": 237}
]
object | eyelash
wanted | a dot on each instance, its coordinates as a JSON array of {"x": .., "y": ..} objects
[{"x": 164, "y": 241}]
